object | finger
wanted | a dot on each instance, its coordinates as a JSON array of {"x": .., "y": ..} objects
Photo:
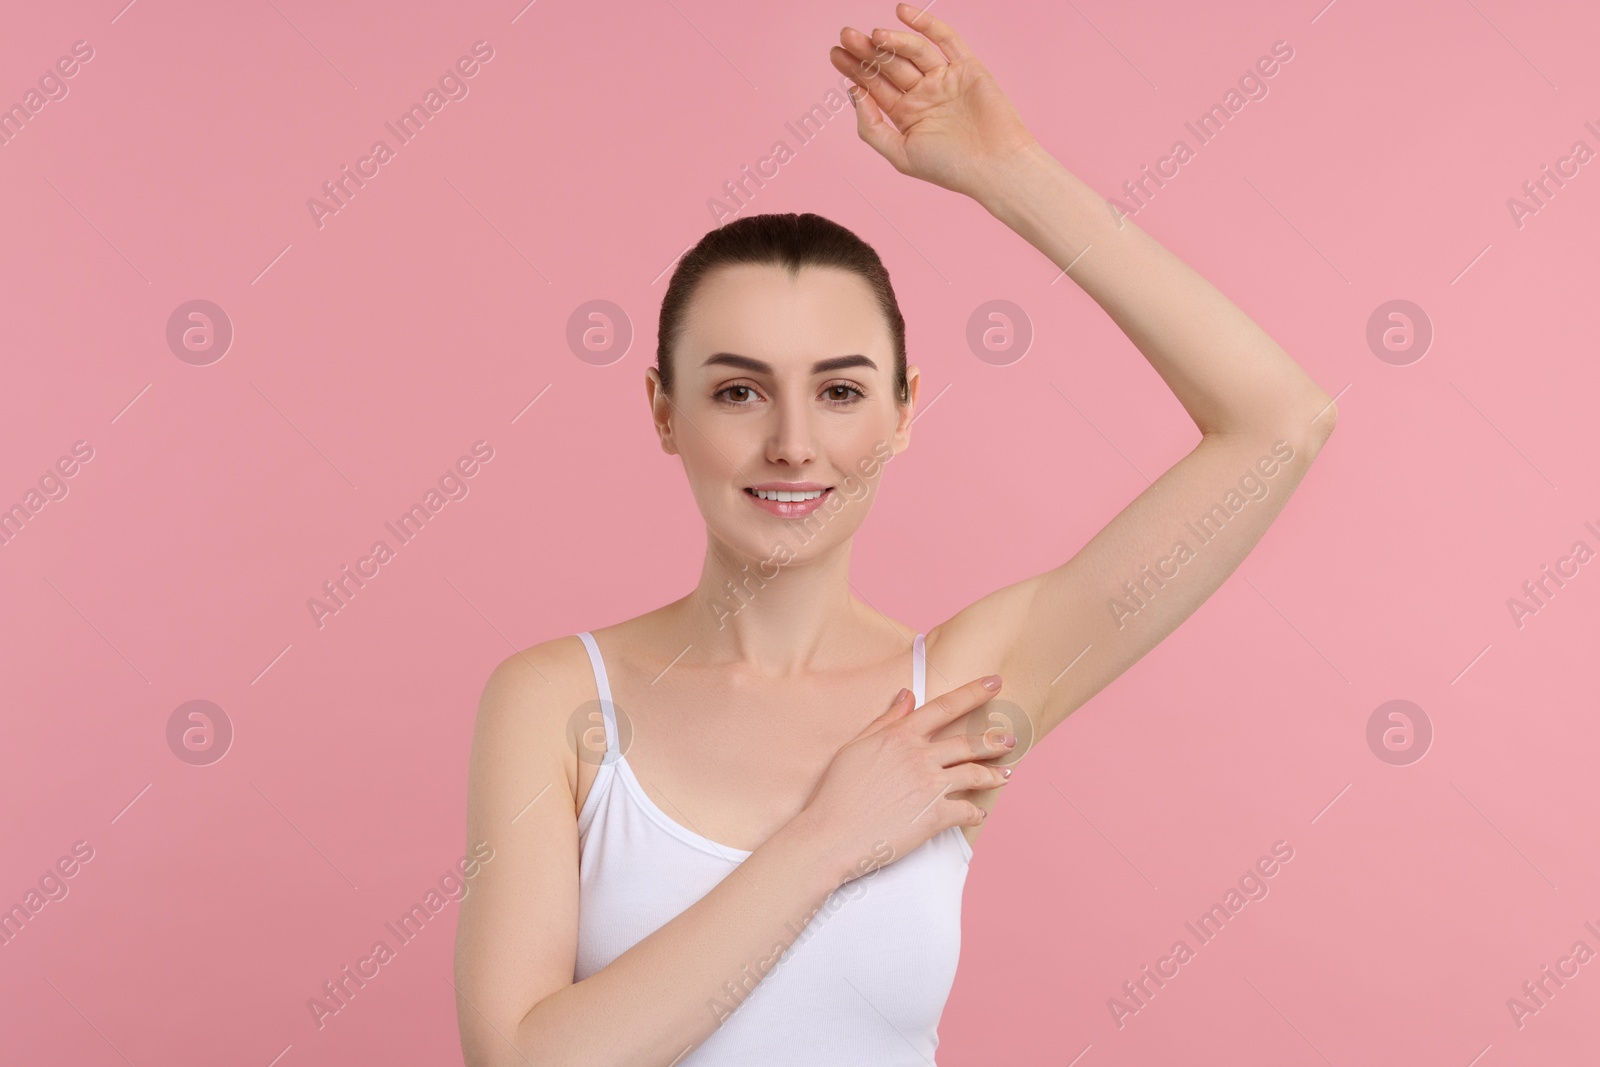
[
  {"x": 978, "y": 777},
  {"x": 880, "y": 59},
  {"x": 966, "y": 747},
  {"x": 875, "y": 129},
  {"x": 952, "y": 705},
  {"x": 917, "y": 49},
  {"x": 939, "y": 32},
  {"x": 902, "y": 704},
  {"x": 883, "y": 91},
  {"x": 899, "y": 706},
  {"x": 966, "y": 813}
]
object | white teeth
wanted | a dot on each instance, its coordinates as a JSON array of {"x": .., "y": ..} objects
[{"x": 785, "y": 497}]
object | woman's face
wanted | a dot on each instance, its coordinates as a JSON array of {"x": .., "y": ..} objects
[{"x": 785, "y": 384}]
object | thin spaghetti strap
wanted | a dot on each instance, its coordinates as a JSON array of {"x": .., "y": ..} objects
[
  {"x": 602, "y": 686},
  {"x": 919, "y": 672}
]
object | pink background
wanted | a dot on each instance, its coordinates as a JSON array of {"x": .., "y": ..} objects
[{"x": 427, "y": 314}]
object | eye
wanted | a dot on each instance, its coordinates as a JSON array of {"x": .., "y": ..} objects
[
  {"x": 842, "y": 393},
  {"x": 743, "y": 393}
]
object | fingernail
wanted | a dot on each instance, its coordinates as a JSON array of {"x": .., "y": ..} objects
[
  {"x": 1009, "y": 740},
  {"x": 898, "y": 697},
  {"x": 992, "y": 682},
  {"x": 985, "y": 812},
  {"x": 1006, "y": 773}
]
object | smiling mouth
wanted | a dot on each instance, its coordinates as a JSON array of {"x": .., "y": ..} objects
[
  {"x": 785, "y": 497},
  {"x": 790, "y": 503}
]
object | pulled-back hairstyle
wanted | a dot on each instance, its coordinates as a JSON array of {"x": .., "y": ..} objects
[{"x": 784, "y": 240}]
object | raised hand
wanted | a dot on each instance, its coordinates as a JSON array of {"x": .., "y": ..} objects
[{"x": 951, "y": 124}]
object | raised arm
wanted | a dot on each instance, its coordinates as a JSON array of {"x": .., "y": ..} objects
[
  {"x": 1060, "y": 637},
  {"x": 1064, "y": 635}
]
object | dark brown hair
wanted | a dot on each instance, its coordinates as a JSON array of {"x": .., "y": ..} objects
[{"x": 790, "y": 241}]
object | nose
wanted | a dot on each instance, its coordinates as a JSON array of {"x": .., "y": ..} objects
[{"x": 790, "y": 441}]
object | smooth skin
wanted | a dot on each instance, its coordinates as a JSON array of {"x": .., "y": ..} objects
[{"x": 763, "y": 720}]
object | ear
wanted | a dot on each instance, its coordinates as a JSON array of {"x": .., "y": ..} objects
[
  {"x": 908, "y": 410},
  {"x": 660, "y": 410}
]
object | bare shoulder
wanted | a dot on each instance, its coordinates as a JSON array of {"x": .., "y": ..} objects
[
  {"x": 517, "y": 932},
  {"x": 550, "y": 670},
  {"x": 526, "y": 712}
]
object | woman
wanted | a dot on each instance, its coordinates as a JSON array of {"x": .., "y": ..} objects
[{"x": 771, "y": 873}]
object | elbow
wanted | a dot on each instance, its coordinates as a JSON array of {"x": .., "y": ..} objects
[
  {"x": 1326, "y": 412},
  {"x": 1323, "y": 420},
  {"x": 1313, "y": 424},
  {"x": 502, "y": 1042}
]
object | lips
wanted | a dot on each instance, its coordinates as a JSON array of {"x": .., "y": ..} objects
[{"x": 789, "y": 509}]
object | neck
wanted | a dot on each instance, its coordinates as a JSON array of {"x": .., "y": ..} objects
[{"x": 776, "y": 616}]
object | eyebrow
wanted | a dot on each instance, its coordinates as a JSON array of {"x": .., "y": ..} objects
[{"x": 756, "y": 366}]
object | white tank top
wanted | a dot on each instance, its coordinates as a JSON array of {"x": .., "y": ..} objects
[{"x": 865, "y": 981}]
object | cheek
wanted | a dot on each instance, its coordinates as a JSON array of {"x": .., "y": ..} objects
[
  {"x": 708, "y": 456},
  {"x": 709, "y": 467}
]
